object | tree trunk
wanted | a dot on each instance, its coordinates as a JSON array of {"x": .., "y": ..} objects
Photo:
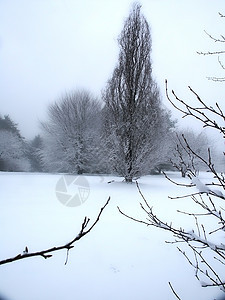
[
  {"x": 80, "y": 171},
  {"x": 128, "y": 179},
  {"x": 183, "y": 173}
]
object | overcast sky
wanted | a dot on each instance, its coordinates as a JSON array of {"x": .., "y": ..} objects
[{"x": 48, "y": 47}]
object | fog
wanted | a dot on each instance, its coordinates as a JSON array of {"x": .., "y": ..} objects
[{"x": 49, "y": 47}]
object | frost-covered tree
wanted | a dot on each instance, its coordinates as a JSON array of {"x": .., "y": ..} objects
[
  {"x": 71, "y": 134},
  {"x": 6, "y": 123},
  {"x": 12, "y": 147},
  {"x": 134, "y": 121},
  {"x": 12, "y": 152},
  {"x": 34, "y": 153}
]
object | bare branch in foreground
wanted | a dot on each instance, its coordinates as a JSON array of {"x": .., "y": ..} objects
[
  {"x": 174, "y": 291},
  {"x": 176, "y": 183},
  {"x": 197, "y": 240},
  {"x": 201, "y": 112},
  {"x": 218, "y": 79},
  {"x": 211, "y": 52},
  {"x": 45, "y": 253}
]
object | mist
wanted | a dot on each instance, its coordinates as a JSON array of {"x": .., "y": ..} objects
[{"x": 47, "y": 48}]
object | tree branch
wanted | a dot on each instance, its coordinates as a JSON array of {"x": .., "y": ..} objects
[
  {"x": 45, "y": 253},
  {"x": 194, "y": 240},
  {"x": 174, "y": 291},
  {"x": 202, "y": 113}
]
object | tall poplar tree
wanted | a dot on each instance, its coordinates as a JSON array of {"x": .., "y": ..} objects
[{"x": 134, "y": 118}]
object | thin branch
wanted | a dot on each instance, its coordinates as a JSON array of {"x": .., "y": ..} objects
[
  {"x": 139, "y": 190},
  {"x": 174, "y": 291},
  {"x": 132, "y": 218},
  {"x": 221, "y": 64},
  {"x": 185, "y": 196},
  {"x": 218, "y": 79},
  {"x": 213, "y": 285},
  {"x": 211, "y": 52},
  {"x": 215, "y": 39},
  {"x": 45, "y": 253},
  {"x": 176, "y": 183},
  {"x": 199, "y": 113}
]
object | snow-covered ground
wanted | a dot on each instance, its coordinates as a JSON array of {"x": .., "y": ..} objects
[{"x": 120, "y": 259}]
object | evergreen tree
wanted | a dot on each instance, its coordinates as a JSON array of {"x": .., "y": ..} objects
[
  {"x": 13, "y": 148},
  {"x": 7, "y": 124}
]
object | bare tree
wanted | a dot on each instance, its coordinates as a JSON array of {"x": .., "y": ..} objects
[
  {"x": 182, "y": 158},
  {"x": 71, "y": 137},
  {"x": 134, "y": 119}
]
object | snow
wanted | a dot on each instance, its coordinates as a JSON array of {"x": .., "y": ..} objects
[
  {"x": 119, "y": 259},
  {"x": 202, "y": 188}
]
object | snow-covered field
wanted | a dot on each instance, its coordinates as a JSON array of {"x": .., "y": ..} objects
[{"x": 120, "y": 259}]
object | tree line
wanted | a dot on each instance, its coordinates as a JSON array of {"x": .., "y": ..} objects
[{"x": 127, "y": 132}]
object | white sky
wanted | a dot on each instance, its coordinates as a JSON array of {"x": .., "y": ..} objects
[{"x": 48, "y": 47}]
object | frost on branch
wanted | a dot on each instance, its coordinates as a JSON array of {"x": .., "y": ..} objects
[{"x": 203, "y": 188}]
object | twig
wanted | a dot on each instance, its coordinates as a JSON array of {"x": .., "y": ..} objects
[
  {"x": 132, "y": 218},
  {"x": 177, "y": 183},
  {"x": 174, "y": 291},
  {"x": 45, "y": 253}
]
